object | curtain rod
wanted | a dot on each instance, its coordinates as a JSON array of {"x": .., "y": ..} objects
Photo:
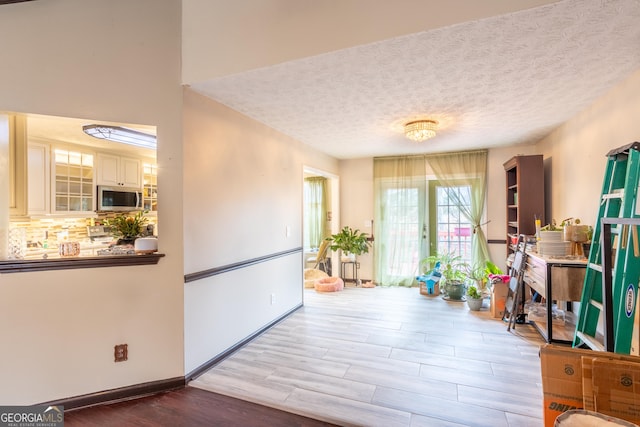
[{"x": 417, "y": 156}]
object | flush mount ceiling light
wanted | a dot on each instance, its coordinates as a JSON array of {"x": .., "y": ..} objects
[
  {"x": 120, "y": 134},
  {"x": 420, "y": 130}
]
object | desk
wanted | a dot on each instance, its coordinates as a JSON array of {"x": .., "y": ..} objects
[
  {"x": 354, "y": 271},
  {"x": 556, "y": 279}
]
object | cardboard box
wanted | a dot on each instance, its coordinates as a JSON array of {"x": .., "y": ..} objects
[
  {"x": 561, "y": 380},
  {"x": 616, "y": 388},
  {"x": 498, "y": 299},
  {"x": 574, "y": 378},
  {"x": 588, "y": 391}
]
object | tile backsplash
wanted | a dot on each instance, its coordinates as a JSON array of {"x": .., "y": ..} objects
[{"x": 61, "y": 229}]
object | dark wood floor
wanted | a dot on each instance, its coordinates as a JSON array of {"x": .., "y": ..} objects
[{"x": 187, "y": 407}]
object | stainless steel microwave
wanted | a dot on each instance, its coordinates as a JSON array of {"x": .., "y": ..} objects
[{"x": 119, "y": 199}]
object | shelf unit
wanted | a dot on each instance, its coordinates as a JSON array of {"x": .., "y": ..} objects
[{"x": 524, "y": 196}]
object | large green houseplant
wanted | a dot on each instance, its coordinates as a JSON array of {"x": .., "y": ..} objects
[{"x": 350, "y": 241}]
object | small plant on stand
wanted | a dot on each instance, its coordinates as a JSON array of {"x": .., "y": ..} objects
[{"x": 352, "y": 243}]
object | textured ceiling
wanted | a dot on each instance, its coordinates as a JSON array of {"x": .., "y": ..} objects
[{"x": 504, "y": 80}]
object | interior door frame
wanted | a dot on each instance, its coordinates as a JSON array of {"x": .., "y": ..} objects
[{"x": 333, "y": 205}]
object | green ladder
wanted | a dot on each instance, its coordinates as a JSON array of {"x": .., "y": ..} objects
[{"x": 610, "y": 288}]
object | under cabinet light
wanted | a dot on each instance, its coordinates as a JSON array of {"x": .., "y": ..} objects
[{"x": 120, "y": 134}]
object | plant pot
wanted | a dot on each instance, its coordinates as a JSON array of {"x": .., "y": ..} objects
[
  {"x": 126, "y": 241},
  {"x": 455, "y": 291},
  {"x": 347, "y": 257},
  {"x": 475, "y": 304}
]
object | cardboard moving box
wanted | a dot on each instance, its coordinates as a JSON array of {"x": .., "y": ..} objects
[
  {"x": 574, "y": 378},
  {"x": 561, "y": 380},
  {"x": 616, "y": 388},
  {"x": 498, "y": 299}
]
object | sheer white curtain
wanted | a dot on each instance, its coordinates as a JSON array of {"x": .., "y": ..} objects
[
  {"x": 315, "y": 211},
  {"x": 466, "y": 168},
  {"x": 399, "y": 193}
]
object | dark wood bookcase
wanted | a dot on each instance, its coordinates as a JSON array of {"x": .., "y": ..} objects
[{"x": 525, "y": 196}]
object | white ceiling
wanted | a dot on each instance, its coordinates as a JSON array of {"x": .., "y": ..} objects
[
  {"x": 503, "y": 80},
  {"x": 69, "y": 130}
]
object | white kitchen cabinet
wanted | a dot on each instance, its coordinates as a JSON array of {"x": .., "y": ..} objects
[
  {"x": 60, "y": 181},
  {"x": 73, "y": 188},
  {"x": 38, "y": 179},
  {"x": 118, "y": 171}
]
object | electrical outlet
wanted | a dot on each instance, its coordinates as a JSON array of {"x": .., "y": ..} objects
[
  {"x": 120, "y": 352},
  {"x": 273, "y": 299}
]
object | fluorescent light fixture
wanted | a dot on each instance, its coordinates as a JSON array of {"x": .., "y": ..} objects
[{"x": 120, "y": 134}]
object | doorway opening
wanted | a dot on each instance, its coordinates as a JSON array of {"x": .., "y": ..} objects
[{"x": 320, "y": 216}]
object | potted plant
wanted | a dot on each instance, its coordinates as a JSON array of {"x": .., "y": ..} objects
[
  {"x": 479, "y": 276},
  {"x": 474, "y": 298},
  {"x": 351, "y": 242},
  {"x": 127, "y": 228},
  {"x": 454, "y": 274}
]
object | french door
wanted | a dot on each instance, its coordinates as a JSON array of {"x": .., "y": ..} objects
[
  {"x": 418, "y": 221},
  {"x": 400, "y": 234},
  {"x": 451, "y": 231}
]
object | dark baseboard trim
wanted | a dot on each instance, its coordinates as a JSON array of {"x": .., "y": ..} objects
[
  {"x": 220, "y": 357},
  {"x": 497, "y": 241},
  {"x": 119, "y": 394},
  {"x": 192, "y": 277}
]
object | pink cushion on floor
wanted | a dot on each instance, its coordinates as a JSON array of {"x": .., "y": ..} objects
[{"x": 329, "y": 284}]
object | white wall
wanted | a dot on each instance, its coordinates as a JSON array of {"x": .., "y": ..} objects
[
  {"x": 356, "y": 207},
  {"x": 242, "y": 190},
  {"x": 119, "y": 61},
  {"x": 575, "y": 153},
  {"x": 283, "y": 30}
]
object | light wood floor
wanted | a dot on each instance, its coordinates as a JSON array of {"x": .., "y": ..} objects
[{"x": 389, "y": 357}]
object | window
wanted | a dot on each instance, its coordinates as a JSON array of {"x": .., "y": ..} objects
[
  {"x": 451, "y": 230},
  {"x": 315, "y": 211}
]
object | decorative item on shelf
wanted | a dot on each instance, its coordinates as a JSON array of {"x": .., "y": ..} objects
[
  {"x": 127, "y": 228},
  {"x": 17, "y": 243},
  {"x": 577, "y": 234},
  {"x": 420, "y": 130},
  {"x": 68, "y": 249},
  {"x": 146, "y": 245},
  {"x": 564, "y": 240}
]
